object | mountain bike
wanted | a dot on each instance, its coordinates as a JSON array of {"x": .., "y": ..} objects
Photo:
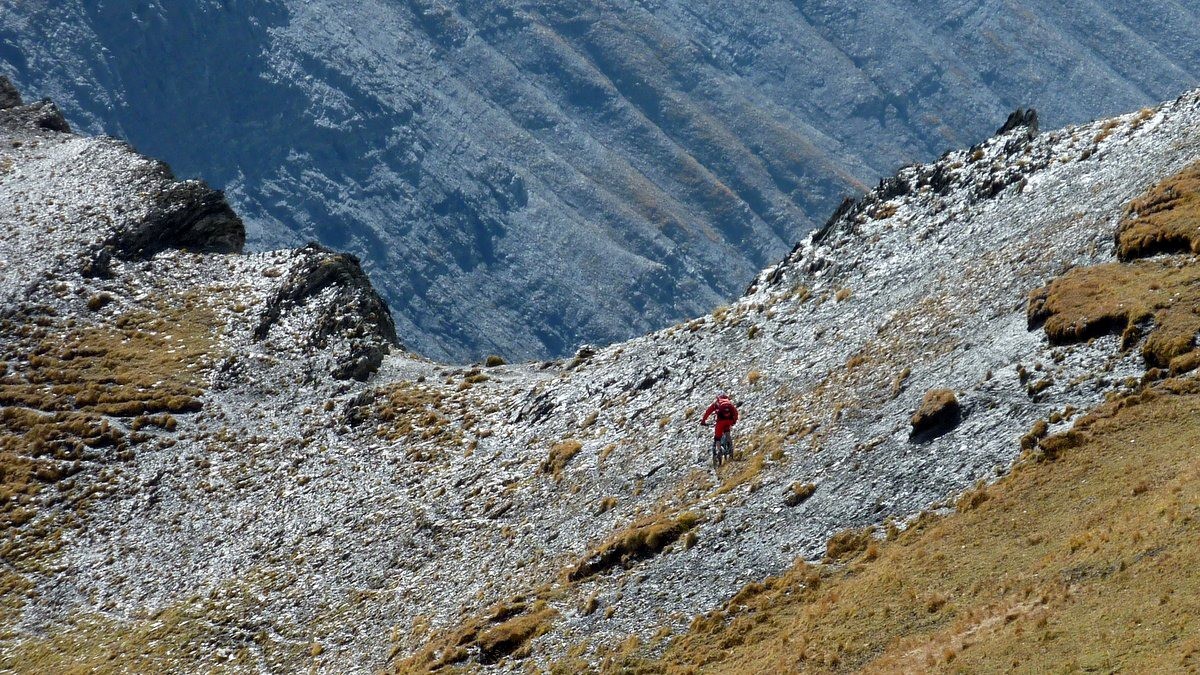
[{"x": 722, "y": 448}]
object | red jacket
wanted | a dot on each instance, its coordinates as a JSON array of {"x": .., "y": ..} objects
[{"x": 727, "y": 415}]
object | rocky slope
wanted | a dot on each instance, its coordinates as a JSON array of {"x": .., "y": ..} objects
[
  {"x": 193, "y": 478},
  {"x": 517, "y": 177}
]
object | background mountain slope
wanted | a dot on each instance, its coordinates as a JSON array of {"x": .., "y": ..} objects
[
  {"x": 519, "y": 177},
  {"x": 193, "y": 477}
]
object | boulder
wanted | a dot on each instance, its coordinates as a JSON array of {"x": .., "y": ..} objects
[{"x": 939, "y": 412}]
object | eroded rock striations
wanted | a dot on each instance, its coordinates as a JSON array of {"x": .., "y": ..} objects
[
  {"x": 205, "y": 492},
  {"x": 519, "y": 177}
]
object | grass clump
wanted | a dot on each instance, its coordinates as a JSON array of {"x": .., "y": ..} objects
[
  {"x": 505, "y": 631},
  {"x": 939, "y": 410},
  {"x": 590, "y": 605},
  {"x": 1117, "y": 298},
  {"x": 407, "y": 410},
  {"x": 1105, "y": 131},
  {"x": 143, "y": 362},
  {"x": 1161, "y": 295},
  {"x": 606, "y": 504},
  {"x": 99, "y": 300},
  {"x": 643, "y": 539},
  {"x": 973, "y": 498},
  {"x": 512, "y": 637},
  {"x": 494, "y": 361},
  {"x": 847, "y": 544},
  {"x": 748, "y": 470},
  {"x": 1030, "y": 440},
  {"x": 900, "y": 382},
  {"x": 1166, "y": 219},
  {"x": 560, "y": 455},
  {"x": 799, "y": 493},
  {"x": 61, "y": 383}
]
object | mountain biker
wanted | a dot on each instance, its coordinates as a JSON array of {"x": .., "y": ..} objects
[{"x": 727, "y": 416}]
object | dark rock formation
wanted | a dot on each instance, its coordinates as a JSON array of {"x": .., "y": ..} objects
[
  {"x": 9, "y": 96},
  {"x": 98, "y": 264},
  {"x": 187, "y": 215},
  {"x": 355, "y": 313},
  {"x": 1020, "y": 118},
  {"x": 39, "y": 115}
]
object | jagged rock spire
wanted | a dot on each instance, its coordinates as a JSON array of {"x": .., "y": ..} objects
[{"x": 1020, "y": 118}]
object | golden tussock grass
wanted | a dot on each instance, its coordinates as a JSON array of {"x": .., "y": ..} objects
[
  {"x": 1083, "y": 563},
  {"x": 847, "y": 544},
  {"x": 799, "y": 493},
  {"x": 61, "y": 383},
  {"x": 37, "y": 449},
  {"x": 1142, "y": 117},
  {"x": 143, "y": 362},
  {"x": 739, "y": 472},
  {"x": 1119, "y": 298},
  {"x": 560, "y": 455},
  {"x": 1162, "y": 294},
  {"x": 503, "y": 631},
  {"x": 606, "y": 504},
  {"x": 900, "y": 382},
  {"x": 644, "y": 538},
  {"x": 1105, "y": 131},
  {"x": 177, "y": 638},
  {"x": 938, "y": 407},
  {"x": 1166, "y": 219},
  {"x": 408, "y": 410}
]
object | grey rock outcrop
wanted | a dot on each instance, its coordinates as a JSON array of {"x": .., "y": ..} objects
[
  {"x": 1020, "y": 118},
  {"x": 355, "y": 313},
  {"x": 9, "y": 96},
  {"x": 187, "y": 215},
  {"x": 121, "y": 208},
  {"x": 42, "y": 114}
]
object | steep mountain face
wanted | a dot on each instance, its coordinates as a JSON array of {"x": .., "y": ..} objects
[
  {"x": 520, "y": 177},
  {"x": 194, "y": 478}
]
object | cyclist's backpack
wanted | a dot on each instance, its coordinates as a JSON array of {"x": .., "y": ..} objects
[{"x": 726, "y": 411}]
